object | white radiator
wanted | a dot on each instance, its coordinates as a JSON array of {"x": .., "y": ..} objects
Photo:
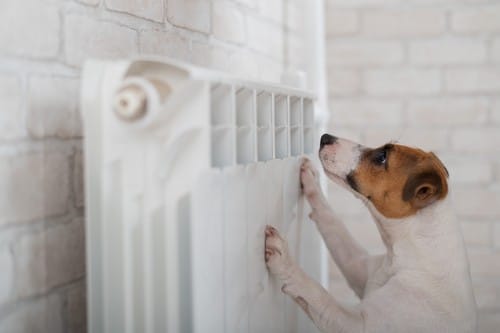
[{"x": 184, "y": 168}]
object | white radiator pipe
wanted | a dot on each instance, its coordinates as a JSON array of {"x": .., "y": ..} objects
[{"x": 315, "y": 39}]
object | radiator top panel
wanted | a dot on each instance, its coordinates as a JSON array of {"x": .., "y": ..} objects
[{"x": 253, "y": 125}]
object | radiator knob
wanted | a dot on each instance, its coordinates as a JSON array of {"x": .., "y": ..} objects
[{"x": 131, "y": 102}]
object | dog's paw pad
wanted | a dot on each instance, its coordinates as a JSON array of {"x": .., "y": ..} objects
[
  {"x": 271, "y": 231},
  {"x": 276, "y": 253}
]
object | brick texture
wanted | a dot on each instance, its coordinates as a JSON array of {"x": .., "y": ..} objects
[
  {"x": 90, "y": 2},
  {"x": 43, "y": 45},
  {"x": 7, "y": 276},
  {"x": 402, "y": 82},
  {"x": 387, "y": 59},
  {"x": 167, "y": 43},
  {"x": 265, "y": 37},
  {"x": 495, "y": 112},
  {"x": 495, "y": 51},
  {"x": 473, "y": 80},
  {"x": 11, "y": 115},
  {"x": 76, "y": 310},
  {"x": 344, "y": 82},
  {"x": 29, "y": 28},
  {"x": 446, "y": 52},
  {"x": 39, "y": 316},
  {"x": 448, "y": 111},
  {"x": 21, "y": 175},
  {"x": 52, "y": 107},
  {"x": 481, "y": 140},
  {"x": 50, "y": 258},
  {"x": 78, "y": 179},
  {"x": 204, "y": 54},
  {"x": 496, "y": 236},
  {"x": 425, "y": 74},
  {"x": 376, "y": 113},
  {"x": 228, "y": 22},
  {"x": 150, "y": 9},
  {"x": 403, "y": 23},
  {"x": 343, "y": 53},
  {"x": 476, "y": 19},
  {"x": 341, "y": 22},
  {"x": 476, "y": 171},
  {"x": 87, "y": 37},
  {"x": 190, "y": 14}
]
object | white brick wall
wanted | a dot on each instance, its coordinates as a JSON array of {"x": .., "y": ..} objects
[
  {"x": 448, "y": 52},
  {"x": 341, "y": 22},
  {"x": 76, "y": 309},
  {"x": 364, "y": 53},
  {"x": 446, "y": 111},
  {"x": 167, "y": 43},
  {"x": 53, "y": 107},
  {"x": 22, "y": 174},
  {"x": 474, "y": 19},
  {"x": 30, "y": 28},
  {"x": 479, "y": 140},
  {"x": 228, "y": 22},
  {"x": 424, "y": 73},
  {"x": 355, "y": 112},
  {"x": 40, "y": 315},
  {"x": 472, "y": 80},
  {"x": 11, "y": 115},
  {"x": 402, "y": 81},
  {"x": 7, "y": 277},
  {"x": 473, "y": 171},
  {"x": 263, "y": 36},
  {"x": 495, "y": 50},
  {"x": 43, "y": 44},
  {"x": 413, "y": 22},
  {"x": 344, "y": 82},
  {"x": 149, "y": 9},
  {"x": 87, "y": 37},
  {"x": 190, "y": 14}
]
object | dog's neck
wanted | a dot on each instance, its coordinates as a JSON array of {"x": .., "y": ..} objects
[
  {"x": 432, "y": 231},
  {"x": 429, "y": 243}
]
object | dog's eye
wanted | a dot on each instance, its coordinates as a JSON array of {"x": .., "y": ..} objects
[{"x": 380, "y": 157}]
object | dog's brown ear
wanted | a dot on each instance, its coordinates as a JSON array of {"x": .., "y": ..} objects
[
  {"x": 424, "y": 188},
  {"x": 441, "y": 164}
]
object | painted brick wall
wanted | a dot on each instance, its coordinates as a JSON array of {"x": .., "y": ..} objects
[
  {"x": 43, "y": 44},
  {"x": 424, "y": 73}
]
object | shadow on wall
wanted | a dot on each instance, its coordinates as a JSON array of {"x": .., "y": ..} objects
[{"x": 41, "y": 241}]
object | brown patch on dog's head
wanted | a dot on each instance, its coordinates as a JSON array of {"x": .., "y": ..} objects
[{"x": 399, "y": 180}]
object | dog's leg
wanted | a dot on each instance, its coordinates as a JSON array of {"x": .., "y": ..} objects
[
  {"x": 321, "y": 307},
  {"x": 355, "y": 262},
  {"x": 309, "y": 178}
]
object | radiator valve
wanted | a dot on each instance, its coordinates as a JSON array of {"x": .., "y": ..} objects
[{"x": 130, "y": 102}]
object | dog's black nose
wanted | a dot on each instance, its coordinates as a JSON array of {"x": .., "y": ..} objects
[{"x": 327, "y": 139}]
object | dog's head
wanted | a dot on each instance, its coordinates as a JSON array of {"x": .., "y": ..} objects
[{"x": 396, "y": 179}]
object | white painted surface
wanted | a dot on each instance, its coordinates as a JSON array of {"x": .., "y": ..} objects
[{"x": 179, "y": 197}]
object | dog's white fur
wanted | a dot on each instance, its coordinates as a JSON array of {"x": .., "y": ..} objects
[{"x": 421, "y": 284}]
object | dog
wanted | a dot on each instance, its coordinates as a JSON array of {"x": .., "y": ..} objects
[{"x": 422, "y": 283}]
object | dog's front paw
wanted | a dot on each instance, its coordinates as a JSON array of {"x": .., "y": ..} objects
[
  {"x": 278, "y": 260},
  {"x": 309, "y": 178}
]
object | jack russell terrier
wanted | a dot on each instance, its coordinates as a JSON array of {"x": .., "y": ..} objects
[{"x": 422, "y": 283}]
